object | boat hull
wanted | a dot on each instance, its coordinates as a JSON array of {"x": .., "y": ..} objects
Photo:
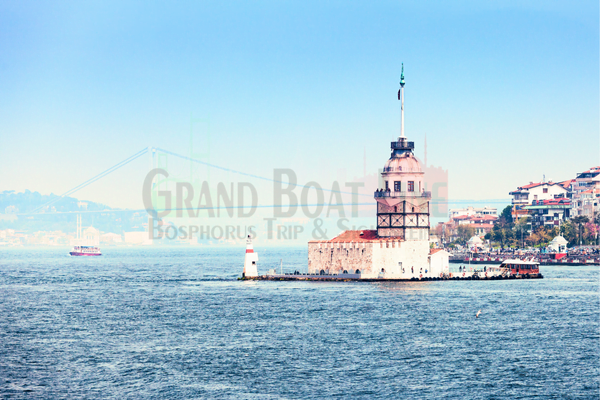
[{"x": 73, "y": 253}]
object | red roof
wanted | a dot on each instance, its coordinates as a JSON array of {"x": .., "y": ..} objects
[
  {"x": 531, "y": 185},
  {"x": 558, "y": 201},
  {"x": 433, "y": 251},
  {"x": 593, "y": 169},
  {"x": 462, "y": 217},
  {"x": 355, "y": 236},
  {"x": 485, "y": 218},
  {"x": 566, "y": 183},
  {"x": 485, "y": 226}
]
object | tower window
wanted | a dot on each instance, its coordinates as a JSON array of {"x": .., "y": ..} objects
[
  {"x": 387, "y": 185},
  {"x": 397, "y": 186},
  {"x": 411, "y": 186}
]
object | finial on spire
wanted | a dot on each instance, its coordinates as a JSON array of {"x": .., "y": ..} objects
[{"x": 402, "y": 76}]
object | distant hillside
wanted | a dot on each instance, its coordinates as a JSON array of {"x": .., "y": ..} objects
[
  {"x": 20, "y": 203},
  {"x": 15, "y": 206}
]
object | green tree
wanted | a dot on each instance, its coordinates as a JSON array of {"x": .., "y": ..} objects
[
  {"x": 546, "y": 234},
  {"x": 569, "y": 232},
  {"x": 591, "y": 233},
  {"x": 498, "y": 235},
  {"x": 533, "y": 239},
  {"x": 464, "y": 233},
  {"x": 521, "y": 231},
  {"x": 579, "y": 221},
  {"x": 506, "y": 219}
]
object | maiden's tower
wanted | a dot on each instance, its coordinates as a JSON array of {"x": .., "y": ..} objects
[{"x": 399, "y": 248}]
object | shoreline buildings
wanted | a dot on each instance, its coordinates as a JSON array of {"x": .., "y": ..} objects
[{"x": 551, "y": 203}]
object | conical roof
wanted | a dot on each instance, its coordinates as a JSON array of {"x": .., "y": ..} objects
[
  {"x": 559, "y": 240},
  {"x": 475, "y": 240}
]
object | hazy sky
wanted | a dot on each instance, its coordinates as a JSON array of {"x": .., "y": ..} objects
[{"x": 505, "y": 91}]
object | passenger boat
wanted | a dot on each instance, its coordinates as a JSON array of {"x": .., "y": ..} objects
[
  {"x": 520, "y": 267},
  {"x": 85, "y": 251}
]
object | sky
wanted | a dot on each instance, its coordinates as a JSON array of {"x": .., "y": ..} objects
[{"x": 506, "y": 92}]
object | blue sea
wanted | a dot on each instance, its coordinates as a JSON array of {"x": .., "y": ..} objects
[{"x": 175, "y": 323}]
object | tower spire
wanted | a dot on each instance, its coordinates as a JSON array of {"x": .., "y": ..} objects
[{"x": 401, "y": 98}]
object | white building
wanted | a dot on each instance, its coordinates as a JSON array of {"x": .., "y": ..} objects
[
  {"x": 399, "y": 248},
  {"x": 475, "y": 243},
  {"x": 549, "y": 212},
  {"x": 91, "y": 237},
  {"x": 7, "y": 233},
  {"x": 481, "y": 223},
  {"x": 526, "y": 195},
  {"x": 439, "y": 261},
  {"x": 473, "y": 211},
  {"x": 586, "y": 194},
  {"x": 558, "y": 245},
  {"x": 111, "y": 238},
  {"x": 585, "y": 180},
  {"x": 138, "y": 238}
]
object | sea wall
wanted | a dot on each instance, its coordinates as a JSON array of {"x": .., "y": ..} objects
[{"x": 333, "y": 258}]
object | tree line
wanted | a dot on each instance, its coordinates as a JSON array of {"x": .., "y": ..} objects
[{"x": 509, "y": 233}]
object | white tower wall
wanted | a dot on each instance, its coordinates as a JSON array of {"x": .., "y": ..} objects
[{"x": 251, "y": 260}]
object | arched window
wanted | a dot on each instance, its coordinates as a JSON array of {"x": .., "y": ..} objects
[
  {"x": 322, "y": 272},
  {"x": 345, "y": 272},
  {"x": 413, "y": 209},
  {"x": 357, "y": 271},
  {"x": 383, "y": 270}
]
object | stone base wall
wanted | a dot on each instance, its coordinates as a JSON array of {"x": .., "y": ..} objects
[
  {"x": 376, "y": 259},
  {"x": 337, "y": 257}
]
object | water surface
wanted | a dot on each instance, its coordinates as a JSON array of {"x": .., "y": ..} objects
[{"x": 175, "y": 323}]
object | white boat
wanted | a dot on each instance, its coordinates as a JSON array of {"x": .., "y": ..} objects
[{"x": 85, "y": 251}]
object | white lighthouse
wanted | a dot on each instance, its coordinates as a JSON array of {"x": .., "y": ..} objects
[{"x": 250, "y": 261}]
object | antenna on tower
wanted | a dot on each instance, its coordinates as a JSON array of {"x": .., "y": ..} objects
[{"x": 401, "y": 98}]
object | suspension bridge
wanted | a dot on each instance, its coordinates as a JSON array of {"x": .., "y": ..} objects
[{"x": 152, "y": 152}]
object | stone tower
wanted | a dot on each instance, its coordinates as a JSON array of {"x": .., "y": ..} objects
[{"x": 403, "y": 204}]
